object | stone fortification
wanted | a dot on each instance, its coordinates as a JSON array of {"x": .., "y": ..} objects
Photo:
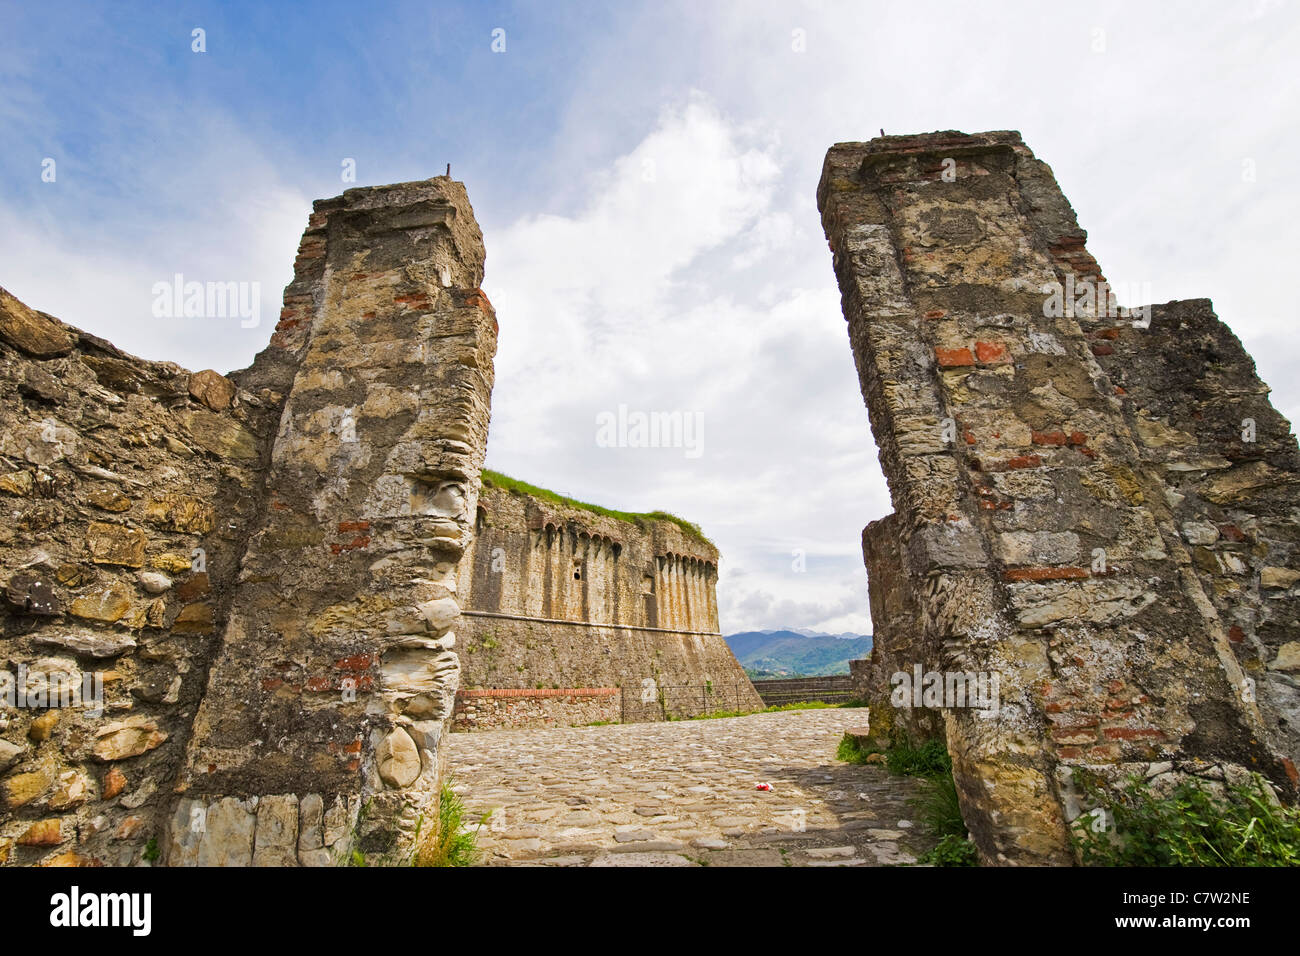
[
  {"x": 558, "y": 596},
  {"x": 259, "y": 568},
  {"x": 1091, "y": 504}
]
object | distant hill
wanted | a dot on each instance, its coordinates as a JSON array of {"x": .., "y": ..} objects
[{"x": 796, "y": 653}]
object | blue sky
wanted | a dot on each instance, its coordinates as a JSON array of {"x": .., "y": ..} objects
[{"x": 644, "y": 175}]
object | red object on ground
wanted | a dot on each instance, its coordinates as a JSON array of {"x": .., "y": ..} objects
[{"x": 764, "y": 786}]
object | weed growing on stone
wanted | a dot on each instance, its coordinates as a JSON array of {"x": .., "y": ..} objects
[
  {"x": 450, "y": 842},
  {"x": 939, "y": 813},
  {"x": 850, "y": 751},
  {"x": 951, "y": 850},
  {"x": 902, "y": 757},
  {"x": 928, "y": 760},
  {"x": 1191, "y": 826}
]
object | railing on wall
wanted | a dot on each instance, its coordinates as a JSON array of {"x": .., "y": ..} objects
[{"x": 835, "y": 689}]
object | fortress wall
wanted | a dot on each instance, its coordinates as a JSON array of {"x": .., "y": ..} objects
[
  {"x": 1231, "y": 470},
  {"x": 337, "y": 674},
  {"x": 561, "y": 597},
  {"x": 259, "y": 568},
  {"x": 1035, "y": 536},
  {"x": 129, "y": 487}
]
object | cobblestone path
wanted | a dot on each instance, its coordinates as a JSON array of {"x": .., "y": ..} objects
[{"x": 684, "y": 794}]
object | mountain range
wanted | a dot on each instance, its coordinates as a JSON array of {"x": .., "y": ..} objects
[{"x": 797, "y": 652}]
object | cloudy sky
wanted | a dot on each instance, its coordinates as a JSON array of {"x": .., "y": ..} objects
[{"x": 645, "y": 176}]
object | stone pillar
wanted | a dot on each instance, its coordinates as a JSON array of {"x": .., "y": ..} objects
[
  {"x": 1036, "y": 541},
  {"x": 336, "y": 671},
  {"x": 711, "y": 583},
  {"x": 688, "y": 593}
]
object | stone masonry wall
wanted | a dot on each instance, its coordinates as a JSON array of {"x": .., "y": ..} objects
[
  {"x": 129, "y": 489},
  {"x": 517, "y": 708},
  {"x": 1231, "y": 469},
  {"x": 832, "y": 689},
  {"x": 1038, "y": 531},
  {"x": 897, "y": 643},
  {"x": 337, "y": 674},
  {"x": 258, "y": 568},
  {"x": 559, "y": 597}
]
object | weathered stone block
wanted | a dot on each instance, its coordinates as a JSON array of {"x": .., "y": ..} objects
[
  {"x": 212, "y": 389},
  {"x": 1087, "y": 448},
  {"x": 116, "y": 544},
  {"x": 127, "y": 738},
  {"x": 275, "y": 842}
]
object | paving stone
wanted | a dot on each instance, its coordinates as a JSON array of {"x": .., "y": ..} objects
[
  {"x": 744, "y": 858},
  {"x": 851, "y": 862},
  {"x": 656, "y": 794},
  {"x": 632, "y": 836},
  {"x": 648, "y": 846},
  {"x": 828, "y": 852},
  {"x": 642, "y": 859}
]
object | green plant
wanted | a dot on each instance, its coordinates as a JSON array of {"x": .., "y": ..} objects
[
  {"x": 930, "y": 759},
  {"x": 799, "y": 705},
  {"x": 939, "y": 813},
  {"x": 774, "y": 709},
  {"x": 495, "y": 479},
  {"x": 449, "y": 842},
  {"x": 937, "y": 808},
  {"x": 850, "y": 751},
  {"x": 151, "y": 851},
  {"x": 1191, "y": 826},
  {"x": 951, "y": 850}
]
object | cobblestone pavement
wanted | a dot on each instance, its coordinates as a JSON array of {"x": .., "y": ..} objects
[{"x": 685, "y": 794}]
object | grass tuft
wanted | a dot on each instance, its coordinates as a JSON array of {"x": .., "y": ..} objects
[
  {"x": 495, "y": 479},
  {"x": 450, "y": 842}
]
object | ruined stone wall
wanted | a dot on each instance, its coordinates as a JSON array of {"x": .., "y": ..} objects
[
  {"x": 261, "y": 566},
  {"x": 1038, "y": 533},
  {"x": 130, "y": 487},
  {"x": 1231, "y": 470},
  {"x": 337, "y": 671},
  {"x": 897, "y": 643},
  {"x": 558, "y": 597}
]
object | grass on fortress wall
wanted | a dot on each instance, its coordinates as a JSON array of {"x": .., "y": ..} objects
[{"x": 495, "y": 479}]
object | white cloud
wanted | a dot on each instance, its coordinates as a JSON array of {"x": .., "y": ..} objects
[
  {"x": 669, "y": 291},
  {"x": 692, "y": 274}
]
